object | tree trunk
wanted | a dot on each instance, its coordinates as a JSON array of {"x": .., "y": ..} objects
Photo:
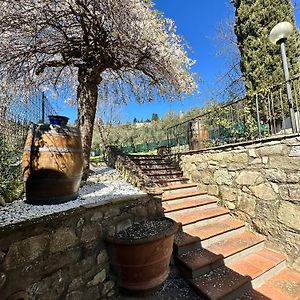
[{"x": 87, "y": 96}]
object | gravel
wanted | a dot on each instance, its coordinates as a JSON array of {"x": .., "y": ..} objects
[
  {"x": 98, "y": 189},
  {"x": 145, "y": 229}
]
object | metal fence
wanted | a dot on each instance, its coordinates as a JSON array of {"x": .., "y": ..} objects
[
  {"x": 15, "y": 119},
  {"x": 262, "y": 115}
]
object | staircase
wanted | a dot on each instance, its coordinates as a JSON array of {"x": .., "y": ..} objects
[{"x": 214, "y": 252}]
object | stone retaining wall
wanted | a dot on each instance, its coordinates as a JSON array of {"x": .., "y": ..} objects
[
  {"x": 258, "y": 182},
  {"x": 64, "y": 256}
]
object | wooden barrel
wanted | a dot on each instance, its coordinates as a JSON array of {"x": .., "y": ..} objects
[{"x": 52, "y": 164}]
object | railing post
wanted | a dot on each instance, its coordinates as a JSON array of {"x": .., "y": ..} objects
[{"x": 257, "y": 116}]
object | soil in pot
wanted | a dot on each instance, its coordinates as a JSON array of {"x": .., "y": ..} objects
[{"x": 140, "y": 255}]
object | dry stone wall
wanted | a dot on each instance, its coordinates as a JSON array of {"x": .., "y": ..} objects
[
  {"x": 64, "y": 256},
  {"x": 259, "y": 183}
]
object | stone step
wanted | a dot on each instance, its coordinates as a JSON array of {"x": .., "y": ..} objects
[
  {"x": 283, "y": 286},
  {"x": 181, "y": 195},
  {"x": 184, "y": 242},
  {"x": 198, "y": 262},
  {"x": 178, "y": 188},
  {"x": 216, "y": 231},
  {"x": 141, "y": 156},
  {"x": 171, "y": 206},
  {"x": 260, "y": 265},
  {"x": 197, "y": 215},
  {"x": 221, "y": 284}
]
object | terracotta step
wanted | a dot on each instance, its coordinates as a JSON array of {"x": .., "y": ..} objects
[
  {"x": 260, "y": 265},
  {"x": 221, "y": 284},
  {"x": 181, "y": 195},
  {"x": 170, "y": 180},
  {"x": 160, "y": 176},
  {"x": 193, "y": 216},
  {"x": 152, "y": 163},
  {"x": 283, "y": 286},
  {"x": 174, "y": 189},
  {"x": 213, "y": 232},
  {"x": 184, "y": 242},
  {"x": 176, "y": 205},
  {"x": 236, "y": 246},
  {"x": 198, "y": 262},
  {"x": 148, "y": 170},
  {"x": 153, "y": 167}
]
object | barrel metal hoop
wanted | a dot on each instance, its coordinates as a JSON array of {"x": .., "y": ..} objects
[{"x": 52, "y": 149}]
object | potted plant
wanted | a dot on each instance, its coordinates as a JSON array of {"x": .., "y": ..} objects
[{"x": 140, "y": 255}]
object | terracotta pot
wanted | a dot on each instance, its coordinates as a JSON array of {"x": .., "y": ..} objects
[
  {"x": 142, "y": 265},
  {"x": 52, "y": 164}
]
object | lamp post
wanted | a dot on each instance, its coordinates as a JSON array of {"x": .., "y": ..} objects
[{"x": 278, "y": 35}]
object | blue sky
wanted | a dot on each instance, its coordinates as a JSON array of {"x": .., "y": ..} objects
[{"x": 197, "y": 21}]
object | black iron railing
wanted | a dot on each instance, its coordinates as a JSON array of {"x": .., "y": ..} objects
[
  {"x": 261, "y": 115},
  {"x": 15, "y": 119}
]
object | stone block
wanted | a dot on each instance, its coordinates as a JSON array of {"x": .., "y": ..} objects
[
  {"x": 276, "y": 149},
  {"x": 2, "y": 280},
  {"x": 102, "y": 257},
  {"x": 247, "y": 204},
  {"x": 264, "y": 191},
  {"x": 230, "y": 205},
  {"x": 289, "y": 214},
  {"x": 213, "y": 190},
  {"x": 98, "y": 278},
  {"x": 293, "y": 177},
  {"x": 290, "y": 191},
  {"x": 91, "y": 232},
  {"x": 76, "y": 283},
  {"x": 295, "y": 151},
  {"x": 206, "y": 177},
  {"x": 239, "y": 157},
  {"x": 112, "y": 211},
  {"x": 75, "y": 295},
  {"x": 249, "y": 178},
  {"x": 97, "y": 216},
  {"x": 275, "y": 175},
  {"x": 228, "y": 193},
  {"x": 62, "y": 239},
  {"x": 265, "y": 160},
  {"x": 284, "y": 163},
  {"x": 252, "y": 153},
  {"x": 222, "y": 177},
  {"x": 2, "y": 255},
  {"x": 107, "y": 287},
  {"x": 202, "y": 188},
  {"x": 25, "y": 251}
]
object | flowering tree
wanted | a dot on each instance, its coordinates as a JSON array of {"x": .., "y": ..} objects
[{"x": 79, "y": 44}]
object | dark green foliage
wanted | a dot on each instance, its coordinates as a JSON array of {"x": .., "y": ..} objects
[{"x": 260, "y": 60}]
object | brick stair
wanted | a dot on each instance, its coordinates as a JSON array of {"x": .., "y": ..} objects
[{"x": 213, "y": 251}]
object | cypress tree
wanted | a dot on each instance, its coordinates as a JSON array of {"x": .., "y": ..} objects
[{"x": 260, "y": 60}]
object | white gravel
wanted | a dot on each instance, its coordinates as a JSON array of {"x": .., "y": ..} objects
[{"x": 97, "y": 190}]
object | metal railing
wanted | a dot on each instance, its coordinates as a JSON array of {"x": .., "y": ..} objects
[
  {"x": 15, "y": 119},
  {"x": 263, "y": 114}
]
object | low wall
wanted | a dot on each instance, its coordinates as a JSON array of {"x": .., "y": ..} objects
[
  {"x": 258, "y": 182},
  {"x": 63, "y": 255}
]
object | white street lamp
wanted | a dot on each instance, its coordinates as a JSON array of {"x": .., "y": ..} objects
[{"x": 278, "y": 35}]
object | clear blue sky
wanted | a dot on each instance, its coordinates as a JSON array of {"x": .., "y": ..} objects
[{"x": 197, "y": 21}]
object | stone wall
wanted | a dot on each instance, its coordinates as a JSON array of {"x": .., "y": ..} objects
[
  {"x": 64, "y": 256},
  {"x": 115, "y": 158},
  {"x": 258, "y": 182}
]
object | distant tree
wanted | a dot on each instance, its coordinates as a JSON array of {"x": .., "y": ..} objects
[
  {"x": 135, "y": 120},
  {"x": 260, "y": 60},
  {"x": 154, "y": 117},
  {"x": 81, "y": 44}
]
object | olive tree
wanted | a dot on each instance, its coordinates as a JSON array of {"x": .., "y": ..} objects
[{"x": 79, "y": 44}]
